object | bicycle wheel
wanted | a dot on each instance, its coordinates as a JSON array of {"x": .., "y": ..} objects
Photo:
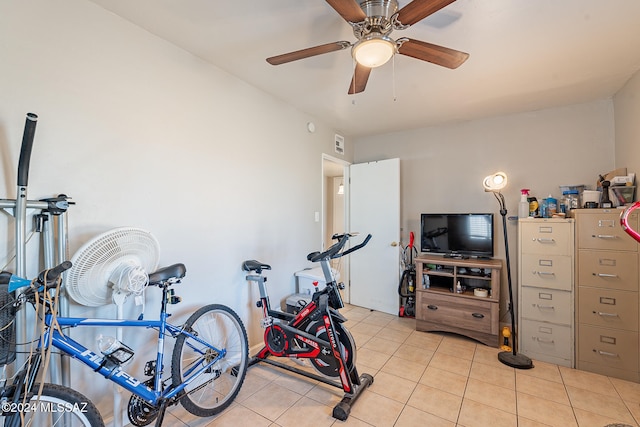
[
  {"x": 214, "y": 389},
  {"x": 57, "y": 406}
]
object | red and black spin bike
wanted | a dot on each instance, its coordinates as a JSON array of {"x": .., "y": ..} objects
[{"x": 316, "y": 332}]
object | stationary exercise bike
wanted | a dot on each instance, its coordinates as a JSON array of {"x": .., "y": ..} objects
[{"x": 316, "y": 332}]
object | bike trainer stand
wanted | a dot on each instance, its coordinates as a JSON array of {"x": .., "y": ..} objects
[{"x": 343, "y": 408}]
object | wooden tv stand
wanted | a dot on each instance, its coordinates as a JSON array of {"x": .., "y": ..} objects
[{"x": 440, "y": 308}]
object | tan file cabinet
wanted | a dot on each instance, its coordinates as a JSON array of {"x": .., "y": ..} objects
[
  {"x": 607, "y": 302},
  {"x": 545, "y": 292}
]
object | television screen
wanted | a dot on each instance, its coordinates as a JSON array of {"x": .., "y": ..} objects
[{"x": 468, "y": 234}]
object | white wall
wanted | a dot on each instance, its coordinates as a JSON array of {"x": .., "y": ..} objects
[
  {"x": 627, "y": 111},
  {"x": 141, "y": 133},
  {"x": 442, "y": 167}
]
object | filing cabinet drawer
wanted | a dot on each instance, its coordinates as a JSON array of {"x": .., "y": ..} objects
[
  {"x": 602, "y": 230},
  {"x": 548, "y": 305},
  {"x": 607, "y": 269},
  {"x": 609, "y": 347},
  {"x": 549, "y": 238},
  {"x": 609, "y": 308},
  {"x": 548, "y": 271},
  {"x": 546, "y": 338}
]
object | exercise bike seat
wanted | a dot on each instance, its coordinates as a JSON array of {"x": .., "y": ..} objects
[{"x": 253, "y": 265}]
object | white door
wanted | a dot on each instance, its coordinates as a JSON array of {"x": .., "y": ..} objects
[{"x": 374, "y": 192}]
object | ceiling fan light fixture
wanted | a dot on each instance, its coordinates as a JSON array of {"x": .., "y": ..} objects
[{"x": 374, "y": 50}]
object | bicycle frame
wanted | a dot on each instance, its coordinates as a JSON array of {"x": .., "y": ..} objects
[
  {"x": 116, "y": 373},
  {"x": 113, "y": 371}
]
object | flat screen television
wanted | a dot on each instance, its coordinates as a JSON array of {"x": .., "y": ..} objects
[{"x": 457, "y": 234}]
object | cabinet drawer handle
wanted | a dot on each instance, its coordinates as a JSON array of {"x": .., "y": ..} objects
[
  {"x": 544, "y": 273},
  {"x": 606, "y": 353},
  {"x": 603, "y": 314},
  {"x": 545, "y": 307},
  {"x": 605, "y": 275},
  {"x": 604, "y": 236},
  {"x": 545, "y": 240},
  {"x": 432, "y": 307},
  {"x": 544, "y": 341},
  {"x": 478, "y": 315}
]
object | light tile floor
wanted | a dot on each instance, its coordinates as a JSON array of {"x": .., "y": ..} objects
[{"x": 428, "y": 379}]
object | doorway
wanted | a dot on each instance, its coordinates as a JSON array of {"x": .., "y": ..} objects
[{"x": 335, "y": 209}]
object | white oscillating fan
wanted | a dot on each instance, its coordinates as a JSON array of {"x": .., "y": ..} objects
[
  {"x": 112, "y": 266},
  {"x": 109, "y": 268}
]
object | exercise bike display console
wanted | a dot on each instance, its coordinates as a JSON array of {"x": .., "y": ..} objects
[{"x": 316, "y": 332}]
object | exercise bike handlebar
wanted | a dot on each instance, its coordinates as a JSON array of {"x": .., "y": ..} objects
[
  {"x": 334, "y": 251},
  {"x": 355, "y": 248},
  {"x": 624, "y": 221}
]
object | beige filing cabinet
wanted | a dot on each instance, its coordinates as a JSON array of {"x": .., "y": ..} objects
[
  {"x": 440, "y": 308},
  {"x": 546, "y": 289},
  {"x": 607, "y": 294}
]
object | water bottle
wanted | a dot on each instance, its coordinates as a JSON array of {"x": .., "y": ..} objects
[
  {"x": 114, "y": 350},
  {"x": 107, "y": 344}
]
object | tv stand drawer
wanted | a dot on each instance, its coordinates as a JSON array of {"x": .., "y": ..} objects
[{"x": 454, "y": 311}]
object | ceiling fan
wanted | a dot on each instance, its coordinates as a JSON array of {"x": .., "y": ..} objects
[{"x": 372, "y": 22}]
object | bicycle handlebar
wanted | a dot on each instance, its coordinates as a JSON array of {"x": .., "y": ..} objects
[
  {"x": 624, "y": 221},
  {"x": 52, "y": 275}
]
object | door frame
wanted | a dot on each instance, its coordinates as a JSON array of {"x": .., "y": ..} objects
[{"x": 323, "y": 212}]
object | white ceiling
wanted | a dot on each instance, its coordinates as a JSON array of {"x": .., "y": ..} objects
[{"x": 524, "y": 55}]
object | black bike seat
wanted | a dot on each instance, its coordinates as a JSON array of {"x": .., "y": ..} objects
[
  {"x": 173, "y": 271},
  {"x": 253, "y": 265}
]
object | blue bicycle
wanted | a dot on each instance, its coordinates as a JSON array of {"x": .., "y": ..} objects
[{"x": 208, "y": 364}]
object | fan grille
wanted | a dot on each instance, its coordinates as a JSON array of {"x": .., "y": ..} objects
[{"x": 87, "y": 282}]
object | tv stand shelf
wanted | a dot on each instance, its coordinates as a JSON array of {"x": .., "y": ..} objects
[{"x": 440, "y": 308}]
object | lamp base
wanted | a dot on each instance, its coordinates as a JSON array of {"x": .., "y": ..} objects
[{"x": 518, "y": 361}]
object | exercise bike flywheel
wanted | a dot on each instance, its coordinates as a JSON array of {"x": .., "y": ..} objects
[{"x": 326, "y": 364}]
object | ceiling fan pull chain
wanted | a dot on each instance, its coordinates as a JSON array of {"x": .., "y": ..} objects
[{"x": 393, "y": 77}]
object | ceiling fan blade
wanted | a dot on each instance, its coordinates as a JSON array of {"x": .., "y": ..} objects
[
  {"x": 348, "y": 9},
  {"x": 359, "y": 80},
  {"x": 435, "y": 54},
  {"x": 308, "y": 52},
  {"x": 417, "y": 10}
]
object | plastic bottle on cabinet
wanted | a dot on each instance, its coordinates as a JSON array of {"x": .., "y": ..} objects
[
  {"x": 549, "y": 207},
  {"x": 523, "y": 206},
  {"x": 533, "y": 206}
]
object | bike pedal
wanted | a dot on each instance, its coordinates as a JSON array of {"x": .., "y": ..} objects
[{"x": 150, "y": 368}]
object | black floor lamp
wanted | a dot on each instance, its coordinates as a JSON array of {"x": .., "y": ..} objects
[{"x": 494, "y": 183}]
